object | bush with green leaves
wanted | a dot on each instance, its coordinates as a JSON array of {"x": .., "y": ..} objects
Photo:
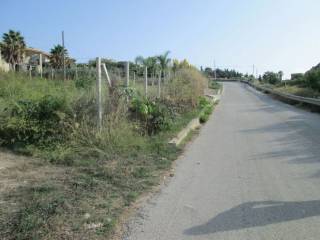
[
  {"x": 203, "y": 101},
  {"x": 186, "y": 87},
  {"x": 34, "y": 121},
  {"x": 206, "y": 108},
  {"x": 154, "y": 115},
  {"x": 271, "y": 77},
  {"x": 313, "y": 79},
  {"x": 203, "y": 118}
]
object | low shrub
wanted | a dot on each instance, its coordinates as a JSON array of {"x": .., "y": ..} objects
[
  {"x": 203, "y": 102},
  {"x": 206, "y": 108},
  {"x": 313, "y": 79},
  {"x": 187, "y": 86},
  {"x": 153, "y": 115},
  {"x": 34, "y": 121},
  {"x": 214, "y": 85},
  {"x": 203, "y": 117}
]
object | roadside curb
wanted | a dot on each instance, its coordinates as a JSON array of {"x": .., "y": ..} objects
[{"x": 194, "y": 123}]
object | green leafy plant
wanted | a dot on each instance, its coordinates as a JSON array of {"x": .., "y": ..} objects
[
  {"x": 34, "y": 121},
  {"x": 154, "y": 115}
]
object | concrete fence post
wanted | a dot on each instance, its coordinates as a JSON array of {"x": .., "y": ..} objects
[
  {"x": 99, "y": 92},
  {"x": 146, "y": 81},
  {"x": 127, "y": 74},
  {"x": 40, "y": 64},
  {"x": 30, "y": 73},
  {"x": 134, "y": 78},
  {"x": 107, "y": 74},
  {"x": 159, "y": 85},
  {"x": 76, "y": 75}
]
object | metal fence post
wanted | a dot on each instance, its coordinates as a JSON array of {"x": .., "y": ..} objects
[
  {"x": 146, "y": 81},
  {"x": 99, "y": 93}
]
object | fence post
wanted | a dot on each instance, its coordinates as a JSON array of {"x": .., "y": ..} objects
[
  {"x": 99, "y": 93},
  {"x": 76, "y": 72},
  {"x": 146, "y": 81},
  {"x": 51, "y": 73},
  {"x": 30, "y": 74},
  {"x": 40, "y": 64},
  {"x": 127, "y": 74},
  {"x": 134, "y": 78},
  {"x": 107, "y": 74},
  {"x": 159, "y": 85}
]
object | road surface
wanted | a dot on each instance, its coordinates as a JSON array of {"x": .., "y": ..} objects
[{"x": 252, "y": 173}]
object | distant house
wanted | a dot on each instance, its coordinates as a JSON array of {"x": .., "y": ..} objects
[
  {"x": 4, "y": 66},
  {"x": 32, "y": 59}
]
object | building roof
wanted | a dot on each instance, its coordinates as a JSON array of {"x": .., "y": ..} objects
[{"x": 31, "y": 51}]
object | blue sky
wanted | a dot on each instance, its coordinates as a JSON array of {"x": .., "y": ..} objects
[{"x": 273, "y": 35}]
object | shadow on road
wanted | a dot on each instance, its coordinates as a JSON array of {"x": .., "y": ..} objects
[{"x": 255, "y": 214}]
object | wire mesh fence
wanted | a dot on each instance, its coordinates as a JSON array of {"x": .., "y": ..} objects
[
  {"x": 157, "y": 82},
  {"x": 93, "y": 94}
]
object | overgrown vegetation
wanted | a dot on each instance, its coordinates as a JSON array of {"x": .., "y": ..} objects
[
  {"x": 215, "y": 85},
  {"x": 305, "y": 85},
  {"x": 95, "y": 173}
]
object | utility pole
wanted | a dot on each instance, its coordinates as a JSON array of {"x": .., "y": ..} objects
[{"x": 64, "y": 58}]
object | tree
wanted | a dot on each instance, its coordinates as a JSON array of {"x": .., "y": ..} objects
[
  {"x": 185, "y": 64},
  {"x": 150, "y": 62},
  {"x": 164, "y": 60},
  {"x": 56, "y": 57},
  {"x": 313, "y": 78},
  {"x": 176, "y": 65},
  {"x": 209, "y": 72},
  {"x": 12, "y": 48},
  {"x": 271, "y": 77}
]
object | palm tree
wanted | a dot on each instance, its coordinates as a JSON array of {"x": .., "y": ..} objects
[
  {"x": 139, "y": 60},
  {"x": 12, "y": 48},
  {"x": 149, "y": 62},
  {"x": 56, "y": 57},
  {"x": 164, "y": 60}
]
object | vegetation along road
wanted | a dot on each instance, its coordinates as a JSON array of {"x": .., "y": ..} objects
[{"x": 253, "y": 173}]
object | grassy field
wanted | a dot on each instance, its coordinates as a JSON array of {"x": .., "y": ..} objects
[{"x": 77, "y": 179}]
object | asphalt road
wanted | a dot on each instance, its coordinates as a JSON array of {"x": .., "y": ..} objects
[{"x": 252, "y": 173}]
